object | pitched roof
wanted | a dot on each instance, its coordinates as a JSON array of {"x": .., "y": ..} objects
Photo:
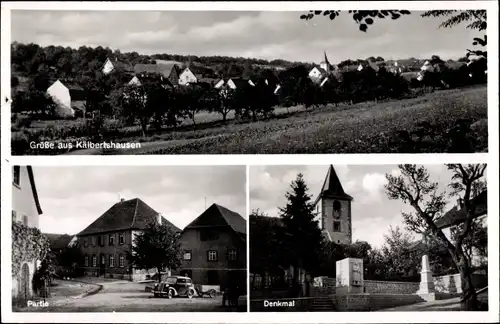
[
  {"x": 217, "y": 215},
  {"x": 332, "y": 188},
  {"x": 125, "y": 215},
  {"x": 164, "y": 69},
  {"x": 457, "y": 216},
  {"x": 59, "y": 241},
  {"x": 240, "y": 82},
  {"x": 33, "y": 189}
]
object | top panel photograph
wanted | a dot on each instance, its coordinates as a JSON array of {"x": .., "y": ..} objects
[{"x": 248, "y": 82}]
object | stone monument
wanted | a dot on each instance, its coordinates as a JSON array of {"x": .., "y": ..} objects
[
  {"x": 427, "y": 290},
  {"x": 349, "y": 276}
]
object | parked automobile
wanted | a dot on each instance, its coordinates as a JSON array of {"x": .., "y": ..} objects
[{"x": 175, "y": 286}]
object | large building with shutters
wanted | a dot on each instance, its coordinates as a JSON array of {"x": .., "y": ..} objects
[{"x": 106, "y": 242}]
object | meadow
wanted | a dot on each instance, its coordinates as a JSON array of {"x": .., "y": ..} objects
[{"x": 445, "y": 121}]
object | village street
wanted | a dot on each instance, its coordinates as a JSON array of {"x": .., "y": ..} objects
[{"x": 124, "y": 296}]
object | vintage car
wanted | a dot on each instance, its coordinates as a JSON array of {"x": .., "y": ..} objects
[{"x": 174, "y": 286}]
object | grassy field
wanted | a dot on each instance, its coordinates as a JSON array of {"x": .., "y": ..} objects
[{"x": 453, "y": 121}]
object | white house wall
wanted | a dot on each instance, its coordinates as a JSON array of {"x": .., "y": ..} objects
[
  {"x": 23, "y": 201},
  {"x": 108, "y": 67},
  {"x": 187, "y": 77},
  {"x": 62, "y": 98}
]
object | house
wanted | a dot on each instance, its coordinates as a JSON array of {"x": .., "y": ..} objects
[
  {"x": 107, "y": 241},
  {"x": 319, "y": 73},
  {"x": 59, "y": 242},
  {"x": 110, "y": 66},
  {"x": 26, "y": 210},
  {"x": 457, "y": 216},
  {"x": 159, "y": 79},
  {"x": 69, "y": 99},
  {"x": 235, "y": 83},
  {"x": 169, "y": 71},
  {"x": 196, "y": 74},
  {"x": 214, "y": 248},
  {"x": 333, "y": 208}
]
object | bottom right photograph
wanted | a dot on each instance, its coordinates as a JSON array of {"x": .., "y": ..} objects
[{"x": 337, "y": 238}]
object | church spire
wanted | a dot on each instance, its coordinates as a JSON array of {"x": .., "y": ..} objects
[
  {"x": 332, "y": 187},
  {"x": 326, "y": 59}
]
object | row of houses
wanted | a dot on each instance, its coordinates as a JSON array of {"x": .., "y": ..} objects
[
  {"x": 213, "y": 244},
  {"x": 70, "y": 97}
]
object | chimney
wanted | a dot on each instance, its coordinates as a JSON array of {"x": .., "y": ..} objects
[{"x": 122, "y": 199}]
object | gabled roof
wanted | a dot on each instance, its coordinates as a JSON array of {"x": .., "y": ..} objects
[
  {"x": 456, "y": 216},
  {"x": 240, "y": 82},
  {"x": 332, "y": 188},
  {"x": 59, "y": 241},
  {"x": 125, "y": 215},
  {"x": 118, "y": 65},
  {"x": 33, "y": 189},
  {"x": 217, "y": 215},
  {"x": 163, "y": 69}
]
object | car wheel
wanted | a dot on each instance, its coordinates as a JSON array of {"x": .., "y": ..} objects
[
  {"x": 190, "y": 293},
  {"x": 170, "y": 294},
  {"x": 156, "y": 295}
]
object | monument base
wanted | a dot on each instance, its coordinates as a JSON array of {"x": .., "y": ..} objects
[{"x": 427, "y": 296}]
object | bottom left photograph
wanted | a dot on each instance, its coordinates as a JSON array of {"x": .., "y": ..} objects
[{"x": 129, "y": 239}]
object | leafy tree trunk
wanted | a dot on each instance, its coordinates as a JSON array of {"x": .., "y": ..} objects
[
  {"x": 469, "y": 296},
  {"x": 144, "y": 126}
]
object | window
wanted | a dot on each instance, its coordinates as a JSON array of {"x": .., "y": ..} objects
[
  {"x": 231, "y": 255},
  {"x": 111, "y": 260},
  {"x": 336, "y": 226},
  {"x": 17, "y": 175},
  {"x": 25, "y": 220},
  {"x": 85, "y": 242},
  {"x": 111, "y": 239},
  {"x": 94, "y": 261},
  {"x": 100, "y": 240},
  {"x": 86, "y": 260},
  {"x": 121, "y": 238},
  {"x": 212, "y": 255},
  {"x": 187, "y": 255},
  {"x": 122, "y": 261},
  {"x": 209, "y": 235},
  {"x": 337, "y": 206},
  {"x": 93, "y": 240},
  {"x": 14, "y": 216}
]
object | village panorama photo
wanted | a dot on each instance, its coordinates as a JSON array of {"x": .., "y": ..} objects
[
  {"x": 358, "y": 238},
  {"x": 129, "y": 239},
  {"x": 248, "y": 82}
]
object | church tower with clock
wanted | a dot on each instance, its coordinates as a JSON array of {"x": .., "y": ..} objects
[{"x": 333, "y": 208}]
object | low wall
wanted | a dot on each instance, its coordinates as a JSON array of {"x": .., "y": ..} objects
[
  {"x": 368, "y": 302},
  {"x": 390, "y": 287},
  {"x": 452, "y": 284}
]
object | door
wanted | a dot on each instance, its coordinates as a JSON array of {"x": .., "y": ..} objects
[
  {"x": 102, "y": 265},
  {"x": 24, "y": 292}
]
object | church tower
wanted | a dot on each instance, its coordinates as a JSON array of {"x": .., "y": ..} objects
[
  {"x": 334, "y": 210},
  {"x": 325, "y": 65}
]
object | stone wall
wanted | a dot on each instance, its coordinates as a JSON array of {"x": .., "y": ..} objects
[
  {"x": 448, "y": 284},
  {"x": 390, "y": 287},
  {"x": 368, "y": 302}
]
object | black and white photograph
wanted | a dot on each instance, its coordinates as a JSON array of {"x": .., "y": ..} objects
[
  {"x": 129, "y": 239},
  {"x": 360, "y": 238},
  {"x": 248, "y": 82}
]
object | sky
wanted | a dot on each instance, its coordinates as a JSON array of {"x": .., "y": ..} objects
[
  {"x": 266, "y": 34},
  {"x": 73, "y": 197},
  {"x": 372, "y": 212}
]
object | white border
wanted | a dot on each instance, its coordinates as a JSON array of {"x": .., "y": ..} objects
[{"x": 349, "y": 317}]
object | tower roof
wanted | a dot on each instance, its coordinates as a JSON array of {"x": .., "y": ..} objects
[{"x": 332, "y": 188}]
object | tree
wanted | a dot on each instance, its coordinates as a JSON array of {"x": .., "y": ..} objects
[
  {"x": 159, "y": 247},
  {"x": 363, "y": 18},
  {"x": 414, "y": 187},
  {"x": 302, "y": 239}
]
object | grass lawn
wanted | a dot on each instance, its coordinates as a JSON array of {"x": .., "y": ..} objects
[
  {"x": 446, "y": 121},
  {"x": 361, "y": 128}
]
